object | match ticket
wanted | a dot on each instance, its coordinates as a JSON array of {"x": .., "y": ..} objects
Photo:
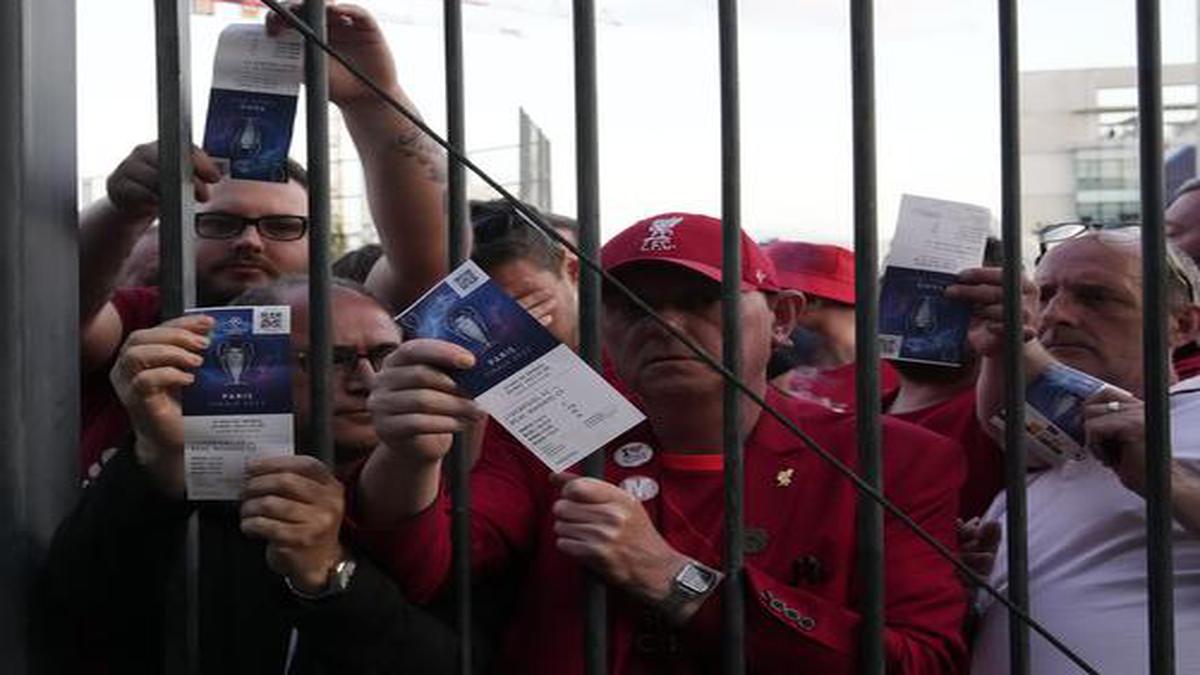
[
  {"x": 1054, "y": 413},
  {"x": 534, "y": 386},
  {"x": 240, "y": 405},
  {"x": 252, "y": 105},
  {"x": 934, "y": 241}
]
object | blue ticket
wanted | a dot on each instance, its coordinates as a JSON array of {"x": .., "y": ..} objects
[
  {"x": 530, "y": 383},
  {"x": 240, "y": 404},
  {"x": 917, "y": 322},
  {"x": 250, "y": 133},
  {"x": 252, "y": 104},
  {"x": 1054, "y": 400},
  {"x": 934, "y": 240}
]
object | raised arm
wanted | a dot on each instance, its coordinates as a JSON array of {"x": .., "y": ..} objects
[
  {"x": 981, "y": 287},
  {"x": 404, "y": 170},
  {"x": 108, "y": 230}
]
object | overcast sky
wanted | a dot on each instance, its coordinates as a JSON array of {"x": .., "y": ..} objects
[{"x": 659, "y": 106}]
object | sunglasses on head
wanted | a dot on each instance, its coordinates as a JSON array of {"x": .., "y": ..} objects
[{"x": 1057, "y": 233}]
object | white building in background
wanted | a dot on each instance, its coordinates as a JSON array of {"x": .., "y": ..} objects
[{"x": 1079, "y": 146}]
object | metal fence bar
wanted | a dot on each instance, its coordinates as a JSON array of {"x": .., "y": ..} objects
[
  {"x": 39, "y": 293},
  {"x": 866, "y": 304},
  {"x": 177, "y": 278},
  {"x": 733, "y": 594},
  {"x": 458, "y": 216},
  {"x": 320, "y": 309},
  {"x": 587, "y": 182},
  {"x": 1155, "y": 351},
  {"x": 535, "y": 220},
  {"x": 1014, "y": 362},
  {"x": 176, "y": 207}
]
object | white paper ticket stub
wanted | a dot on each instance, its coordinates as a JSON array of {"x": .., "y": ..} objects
[
  {"x": 252, "y": 105},
  {"x": 539, "y": 390}
]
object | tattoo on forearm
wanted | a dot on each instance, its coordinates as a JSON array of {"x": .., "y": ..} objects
[{"x": 417, "y": 145}]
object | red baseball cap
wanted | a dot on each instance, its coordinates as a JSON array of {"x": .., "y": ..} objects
[
  {"x": 689, "y": 240},
  {"x": 823, "y": 270}
]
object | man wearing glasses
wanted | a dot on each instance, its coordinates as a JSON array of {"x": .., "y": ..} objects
[
  {"x": 282, "y": 564},
  {"x": 249, "y": 233},
  {"x": 1087, "y": 529}
]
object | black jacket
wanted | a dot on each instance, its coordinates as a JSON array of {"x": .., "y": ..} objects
[{"x": 114, "y": 581}]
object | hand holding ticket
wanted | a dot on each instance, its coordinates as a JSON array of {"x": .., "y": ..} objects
[
  {"x": 534, "y": 386},
  {"x": 240, "y": 404},
  {"x": 1054, "y": 406},
  {"x": 934, "y": 241}
]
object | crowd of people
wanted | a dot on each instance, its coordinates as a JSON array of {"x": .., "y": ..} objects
[{"x": 347, "y": 568}]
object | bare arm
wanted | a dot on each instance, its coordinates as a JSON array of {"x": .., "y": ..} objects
[
  {"x": 108, "y": 230},
  {"x": 406, "y": 187},
  {"x": 981, "y": 288},
  {"x": 405, "y": 171}
]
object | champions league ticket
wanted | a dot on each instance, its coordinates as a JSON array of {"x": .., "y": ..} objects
[
  {"x": 252, "y": 104},
  {"x": 534, "y": 386},
  {"x": 934, "y": 241},
  {"x": 1054, "y": 413},
  {"x": 240, "y": 405}
]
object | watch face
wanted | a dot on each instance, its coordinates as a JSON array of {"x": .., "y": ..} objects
[{"x": 695, "y": 579}]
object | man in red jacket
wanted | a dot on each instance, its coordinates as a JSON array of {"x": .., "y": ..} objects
[{"x": 652, "y": 528}]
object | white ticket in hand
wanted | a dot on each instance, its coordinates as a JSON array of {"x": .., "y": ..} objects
[{"x": 539, "y": 390}]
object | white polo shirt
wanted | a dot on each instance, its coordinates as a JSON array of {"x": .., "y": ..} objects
[{"x": 1087, "y": 566}]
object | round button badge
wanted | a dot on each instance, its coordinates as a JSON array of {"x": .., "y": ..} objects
[
  {"x": 643, "y": 488},
  {"x": 632, "y": 455}
]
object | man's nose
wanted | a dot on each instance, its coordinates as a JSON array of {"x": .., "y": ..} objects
[
  {"x": 248, "y": 239},
  {"x": 359, "y": 376},
  {"x": 1058, "y": 310}
]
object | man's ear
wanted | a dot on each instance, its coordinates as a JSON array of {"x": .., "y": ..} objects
[
  {"x": 788, "y": 307},
  {"x": 570, "y": 267}
]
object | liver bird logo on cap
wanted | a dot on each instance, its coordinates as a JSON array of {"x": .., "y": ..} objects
[{"x": 661, "y": 234}]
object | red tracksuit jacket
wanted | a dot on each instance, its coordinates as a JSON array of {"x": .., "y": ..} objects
[{"x": 800, "y": 561}]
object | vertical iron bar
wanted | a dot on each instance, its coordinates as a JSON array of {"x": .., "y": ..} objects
[
  {"x": 870, "y": 515},
  {"x": 733, "y": 633},
  {"x": 320, "y": 310},
  {"x": 176, "y": 207},
  {"x": 587, "y": 181},
  {"x": 177, "y": 274},
  {"x": 457, "y": 215},
  {"x": 39, "y": 293},
  {"x": 1154, "y": 345},
  {"x": 1014, "y": 362}
]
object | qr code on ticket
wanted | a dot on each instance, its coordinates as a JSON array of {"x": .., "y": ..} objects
[
  {"x": 467, "y": 278},
  {"x": 272, "y": 320}
]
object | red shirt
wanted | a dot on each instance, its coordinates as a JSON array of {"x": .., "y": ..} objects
[
  {"x": 835, "y": 387},
  {"x": 105, "y": 423},
  {"x": 955, "y": 419},
  {"x": 801, "y": 588}
]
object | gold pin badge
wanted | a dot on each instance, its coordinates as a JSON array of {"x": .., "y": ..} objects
[{"x": 784, "y": 478}]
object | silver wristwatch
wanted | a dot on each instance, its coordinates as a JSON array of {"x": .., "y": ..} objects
[
  {"x": 338, "y": 581},
  {"x": 693, "y": 581}
]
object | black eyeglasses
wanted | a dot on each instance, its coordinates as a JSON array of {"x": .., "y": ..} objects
[
  {"x": 1056, "y": 233},
  {"x": 345, "y": 359},
  {"x": 229, "y": 226}
]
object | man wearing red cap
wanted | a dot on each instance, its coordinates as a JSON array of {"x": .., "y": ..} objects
[
  {"x": 652, "y": 529},
  {"x": 820, "y": 363}
]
